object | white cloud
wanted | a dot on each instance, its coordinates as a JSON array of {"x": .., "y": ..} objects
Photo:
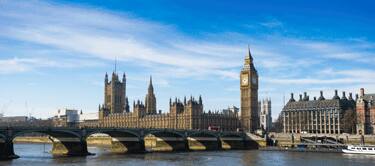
[
  {"x": 272, "y": 23},
  {"x": 12, "y": 65},
  {"x": 16, "y": 65},
  {"x": 329, "y": 76},
  {"x": 347, "y": 50},
  {"x": 312, "y": 81}
]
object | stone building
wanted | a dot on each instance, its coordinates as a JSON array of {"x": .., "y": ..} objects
[
  {"x": 365, "y": 113},
  {"x": 186, "y": 114},
  {"x": 265, "y": 114},
  {"x": 318, "y": 115},
  {"x": 249, "y": 95}
]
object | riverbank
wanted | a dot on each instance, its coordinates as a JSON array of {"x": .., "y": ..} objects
[
  {"x": 286, "y": 149},
  {"x": 288, "y": 139}
]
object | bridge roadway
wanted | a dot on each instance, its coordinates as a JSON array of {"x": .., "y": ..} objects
[{"x": 72, "y": 141}]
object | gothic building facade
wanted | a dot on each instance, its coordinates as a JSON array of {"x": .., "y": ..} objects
[{"x": 186, "y": 114}]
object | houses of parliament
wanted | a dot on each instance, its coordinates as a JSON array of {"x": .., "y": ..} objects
[{"x": 185, "y": 113}]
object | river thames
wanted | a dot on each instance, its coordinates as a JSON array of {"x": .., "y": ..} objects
[{"x": 37, "y": 154}]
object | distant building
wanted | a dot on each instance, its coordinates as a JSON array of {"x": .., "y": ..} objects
[
  {"x": 74, "y": 118},
  {"x": 14, "y": 119},
  {"x": 265, "y": 114},
  {"x": 365, "y": 113},
  {"x": 318, "y": 115},
  {"x": 89, "y": 119},
  {"x": 66, "y": 118},
  {"x": 23, "y": 121},
  {"x": 231, "y": 110},
  {"x": 88, "y": 116}
]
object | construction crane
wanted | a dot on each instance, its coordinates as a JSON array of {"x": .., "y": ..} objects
[{"x": 5, "y": 107}]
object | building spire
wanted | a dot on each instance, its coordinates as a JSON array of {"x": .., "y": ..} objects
[
  {"x": 150, "y": 86},
  {"x": 249, "y": 57},
  {"x": 106, "y": 78},
  {"x": 124, "y": 78}
]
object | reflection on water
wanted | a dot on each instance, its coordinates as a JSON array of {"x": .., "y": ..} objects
[{"x": 37, "y": 154}]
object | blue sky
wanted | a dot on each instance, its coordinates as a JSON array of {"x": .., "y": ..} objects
[{"x": 54, "y": 54}]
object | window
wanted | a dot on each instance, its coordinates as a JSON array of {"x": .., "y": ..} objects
[{"x": 369, "y": 148}]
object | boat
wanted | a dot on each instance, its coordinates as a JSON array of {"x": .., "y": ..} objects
[{"x": 360, "y": 149}]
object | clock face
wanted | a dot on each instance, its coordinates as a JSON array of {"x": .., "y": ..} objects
[
  {"x": 254, "y": 80},
  {"x": 244, "y": 80}
]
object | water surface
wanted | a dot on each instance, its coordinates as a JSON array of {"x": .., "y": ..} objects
[{"x": 37, "y": 154}]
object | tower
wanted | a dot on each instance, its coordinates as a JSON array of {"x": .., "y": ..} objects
[
  {"x": 115, "y": 94},
  {"x": 265, "y": 114},
  {"x": 150, "y": 99},
  {"x": 249, "y": 95}
]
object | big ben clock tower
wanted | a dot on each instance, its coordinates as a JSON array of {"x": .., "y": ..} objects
[{"x": 249, "y": 95}]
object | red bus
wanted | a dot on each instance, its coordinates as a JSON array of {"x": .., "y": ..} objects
[{"x": 214, "y": 128}]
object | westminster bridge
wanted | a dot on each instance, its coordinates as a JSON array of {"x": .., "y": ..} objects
[{"x": 72, "y": 141}]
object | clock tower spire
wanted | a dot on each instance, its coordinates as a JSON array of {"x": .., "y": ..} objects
[{"x": 249, "y": 94}]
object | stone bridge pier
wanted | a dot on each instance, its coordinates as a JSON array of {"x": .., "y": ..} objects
[
  {"x": 69, "y": 146},
  {"x": 6, "y": 149},
  {"x": 237, "y": 142},
  {"x": 127, "y": 145},
  {"x": 203, "y": 141}
]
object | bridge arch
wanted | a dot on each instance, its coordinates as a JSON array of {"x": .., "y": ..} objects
[
  {"x": 122, "y": 141},
  {"x": 113, "y": 133},
  {"x": 165, "y": 140},
  {"x": 54, "y": 133},
  {"x": 64, "y": 142}
]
